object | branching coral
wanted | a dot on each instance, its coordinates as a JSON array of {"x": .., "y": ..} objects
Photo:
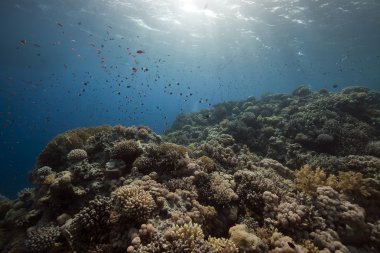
[
  {"x": 42, "y": 238},
  {"x": 250, "y": 185},
  {"x": 245, "y": 240},
  {"x": 93, "y": 217},
  {"x": 90, "y": 225},
  {"x": 186, "y": 236},
  {"x": 344, "y": 217},
  {"x": 206, "y": 163},
  {"x": 308, "y": 180},
  {"x": 287, "y": 214},
  {"x": 350, "y": 183},
  {"x": 133, "y": 202},
  {"x": 225, "y": 156},
  {"x": 222, "y": 245},
  {"x": 216, "y": 188},
  {"x": 328, "y": 239}
]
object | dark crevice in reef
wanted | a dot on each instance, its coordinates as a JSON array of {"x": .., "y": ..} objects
[{"x": 286, "y": 173}]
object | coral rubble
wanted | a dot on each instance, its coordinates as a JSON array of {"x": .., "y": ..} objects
[{"x": 287, "y": 173}]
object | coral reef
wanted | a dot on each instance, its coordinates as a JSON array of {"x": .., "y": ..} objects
[
  {"x": 295, "y": 129},
  {"x": 286, "y": 173}
]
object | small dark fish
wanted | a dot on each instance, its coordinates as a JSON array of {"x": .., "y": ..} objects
[
  {"x": 79, "y": 23},
  {"x": 140, "y": 51},
  {"x": 22, "y": 42},
  {"x": 134, "y": 69},
  {"x": 335, "y": 86},
  {"x": 60, "y": 24},
  {"x": 36, "y": 45}
]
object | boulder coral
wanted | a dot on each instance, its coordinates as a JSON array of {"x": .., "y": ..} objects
[
  {"x": 77, "y": 155},
  {"x": 127, "y": 151}
]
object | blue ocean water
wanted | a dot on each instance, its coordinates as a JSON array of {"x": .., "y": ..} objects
[{"x": 77, "y": 63}]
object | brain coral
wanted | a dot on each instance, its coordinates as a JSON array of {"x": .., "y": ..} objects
[{"x": 133, "y": 202}]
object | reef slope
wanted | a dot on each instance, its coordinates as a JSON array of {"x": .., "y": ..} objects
[{"x": 287, "y": 173}]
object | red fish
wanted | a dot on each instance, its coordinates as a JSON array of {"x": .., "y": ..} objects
[{"x": 140, "y": 51}]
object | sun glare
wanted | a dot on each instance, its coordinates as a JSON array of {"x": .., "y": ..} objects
[{"x": 194, "y": 8}]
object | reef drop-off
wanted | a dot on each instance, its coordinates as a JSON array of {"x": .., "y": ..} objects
[{"x": 286, "y": 173}]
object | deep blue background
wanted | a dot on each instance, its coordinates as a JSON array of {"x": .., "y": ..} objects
[{"x": 76, "y": 68}]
